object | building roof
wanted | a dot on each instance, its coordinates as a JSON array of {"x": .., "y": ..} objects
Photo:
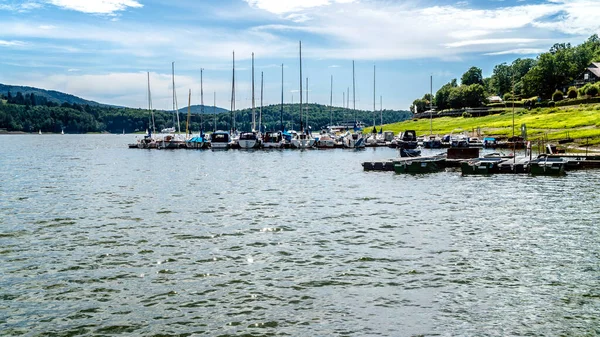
[{"x": 594, "y": 68}]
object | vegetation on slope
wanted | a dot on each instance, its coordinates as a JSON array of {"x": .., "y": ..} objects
[{"x": 582, "y": 123}]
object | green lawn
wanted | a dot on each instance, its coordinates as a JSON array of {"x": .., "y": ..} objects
[{"x": 578, "y": 123}]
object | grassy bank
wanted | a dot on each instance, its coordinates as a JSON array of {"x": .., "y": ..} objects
[{"x": 581, "y": 123}]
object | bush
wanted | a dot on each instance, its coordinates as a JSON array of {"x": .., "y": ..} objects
[
  {"x": 572, "y": 93},
  {"x": 557, "y": 96},
  {"x": 551, "y": 104},
  {"x": 466, "y": 114},
  {"x": 508, "y": 96},
  {"x": 577, "y": 101},
  {"x": 591, "y": 91}
]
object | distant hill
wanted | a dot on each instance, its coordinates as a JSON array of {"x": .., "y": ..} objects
[
  {"x": 197, "y": 109},
  {"x": 50, "y": 95}
]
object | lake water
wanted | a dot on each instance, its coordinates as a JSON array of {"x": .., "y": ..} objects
[{"x": 99, "y": 239}]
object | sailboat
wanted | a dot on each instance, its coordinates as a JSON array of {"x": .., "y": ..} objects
[
  {"x": 274, "y": 139},
  {"x": 354, "y": 140},
  {"x": 200, "y": 141},
  {"x": 250, "y": 140},
  {"x": 62, "y": 132},
  {"x": 173, "y": 141},
  {"x": 40, "y": 132},
  {"x": 431, "y": 141},
  {"x": 302, "y": 140},
  {"x": 233, "y": 135},
  {"x": 326, "y": 139}
]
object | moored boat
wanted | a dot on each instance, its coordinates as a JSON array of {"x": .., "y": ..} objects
[
  {"x": 484, "y": 166},
  {"x": 220, "y": 140},
  {"x": 249, "y": 140},
  {"x": 420, "y": 165},
  {"x": 272, "y": 140},
  {"x": 547, "y": 166}
]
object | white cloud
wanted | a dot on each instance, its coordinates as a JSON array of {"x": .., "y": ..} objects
[
  {"x": 22, "y": 7},
  {"x": 288, "y": 6},
  {"x": 522, "y": 51},
  {"x": 130, "y": 88},
  {"x": 575, "y": 17},
  {"x": 4, "y": 43},
  {"x": 489, "y": 41},
  {"x": 96, "y": 6}
]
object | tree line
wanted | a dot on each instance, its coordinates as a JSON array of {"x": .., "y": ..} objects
[
  {"x": 30, "y": 113},
  {"x": 551, "y": 72}
]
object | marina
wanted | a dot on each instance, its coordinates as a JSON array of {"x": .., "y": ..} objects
[{"x": 303, "y": 243}]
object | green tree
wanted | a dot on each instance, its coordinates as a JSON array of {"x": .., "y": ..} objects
[
  {"x": 443, "y": 94},
  {"x": 472, "y": 76},
  {"x": 502, "y": 79}
]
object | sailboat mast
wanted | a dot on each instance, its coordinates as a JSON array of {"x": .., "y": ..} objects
[
  {"x": 150, "y": 105},
  {"x": 381, "y": 111},
  {"x": 253, "y": 113},
  {"x": 281, "y": 110},
  {"x": 215, "y": 110},
  {"x": 353, "y": 93},
  {"x": 343, "y": 105},
  {"x": 201, "y": 102},
  {"x": 331, "y": 103},
  {"x": 301, "y": 126},
  {"x": 233, "y": 96},
  {"x": 347, "y": 100},
  {"x": 307, "y": 104},
  {"x": 175, "y": 97},
  {"x": 187, "y": 124},
  {"x": 374, "y": 95},
  {"x": 261, "y": 101},
  {"x": 430, "y": 104}
]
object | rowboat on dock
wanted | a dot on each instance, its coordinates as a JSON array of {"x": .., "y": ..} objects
[
  {"x": 483, "y": 165},
  {"x": 420, "y": 164},
  {"x": 547, "y": 166}
]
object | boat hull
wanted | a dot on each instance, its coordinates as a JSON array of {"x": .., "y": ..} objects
[{"x": 418, "y": 166}]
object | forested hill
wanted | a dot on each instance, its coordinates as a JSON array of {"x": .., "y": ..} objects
[
  {"x": 49, "y": 95},
  {"x": 196, "y": 109},
  {"x": 26, "y": 115}
]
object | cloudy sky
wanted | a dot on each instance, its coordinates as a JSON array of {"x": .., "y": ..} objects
[{"x": 102, "y": 49}]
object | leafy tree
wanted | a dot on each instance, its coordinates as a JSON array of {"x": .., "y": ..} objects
[
  {"x": 472, "y": 76},
  {"x": 443, "y": 94},
  {"x": 419, "y": 105},
  {"x": 502, "y": 79}
]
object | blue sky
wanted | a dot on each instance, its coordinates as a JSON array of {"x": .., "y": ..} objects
[{"x": 102, "y": 49}]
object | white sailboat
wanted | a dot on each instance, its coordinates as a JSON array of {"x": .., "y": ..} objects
[
  {"x": 302, "y": 140},
  {"x": 353, "y": 140},
  {"x": 274, "y": 139},
  {"x": 250, "y": 140}
]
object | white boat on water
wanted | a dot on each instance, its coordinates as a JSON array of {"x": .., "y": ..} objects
[
  {"x": 353, "y": 140},
  {"x": 300, "y": 140},
  {"x": 273, "y": 140},
  {"x": 325, "y": 140},
  {"x": 249, "y": 140}
]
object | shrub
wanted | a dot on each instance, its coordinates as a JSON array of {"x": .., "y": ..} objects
[
  {"x": 572, "y": 93},
  {"x": 466, "y": 114},
  {"x": 551, "y": 104},
  {"x": 508, "y": 96},
  {"x": 557, "y": 96},
  {"x": 591, "y": 91}
]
